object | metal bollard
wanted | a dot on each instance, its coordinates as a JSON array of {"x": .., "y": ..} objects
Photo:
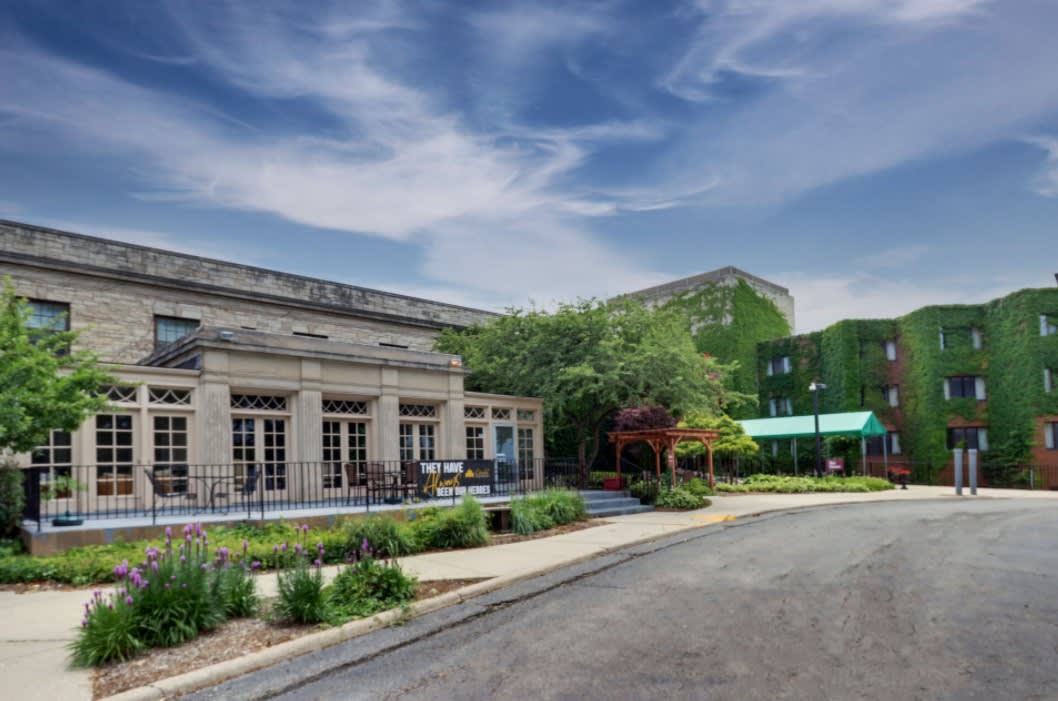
[
  {"x": 958, "y": 471},
  {"x": 973, "y": 471}
]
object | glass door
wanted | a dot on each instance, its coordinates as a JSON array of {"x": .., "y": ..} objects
[{"x": 504, "y": 454}]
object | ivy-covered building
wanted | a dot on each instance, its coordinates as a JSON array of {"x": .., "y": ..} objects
[
  {"x": 729, "y": 311},
  {"x": 983, "y": 376}
]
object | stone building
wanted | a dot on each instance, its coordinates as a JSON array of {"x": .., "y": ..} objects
[
  {"x": 221, "y": 364},
  {"x": 728, "y": 276}
]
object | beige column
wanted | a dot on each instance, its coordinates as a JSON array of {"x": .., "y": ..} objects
[
  {"x": 213, "y": 418},
  {"x": 453, "y": 420},
  {"x": 389, "y": 416},
  {"x": 309, "y": 414}
]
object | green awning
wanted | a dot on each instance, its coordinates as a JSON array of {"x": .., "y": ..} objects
[{"x": 852, "y": 423}]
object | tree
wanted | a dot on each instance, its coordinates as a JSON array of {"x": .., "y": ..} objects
[
  {"x": 732, "y": 440},
  {"x": 643, "y": 418},
  {"x": 589, "y": 359},
  {"x": 44, "y": 385}
]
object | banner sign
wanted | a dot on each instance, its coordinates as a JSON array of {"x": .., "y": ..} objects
[
  {"x": 448, "y": 478},
  {"x": 835, "y": 464}
]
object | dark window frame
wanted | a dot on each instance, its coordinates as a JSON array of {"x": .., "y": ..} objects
[
  {"x": 962, "y": 382},
  {"x": 159, "y": 344},
  {"x": 970, "y": 434}
]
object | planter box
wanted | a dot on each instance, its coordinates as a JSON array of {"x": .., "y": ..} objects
[{"x": 613, "y": 484}]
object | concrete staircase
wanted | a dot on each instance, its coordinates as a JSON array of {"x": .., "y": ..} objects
[{"x": 602, "y": 504}]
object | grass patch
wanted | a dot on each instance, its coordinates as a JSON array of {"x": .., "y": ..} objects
[{"x": 776, "y": 484}]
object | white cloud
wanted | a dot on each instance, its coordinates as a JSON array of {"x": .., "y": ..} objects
[
  {"x": 895, "y": 257},
  {"x": 1045, "y": 182},
  {"x": 823, "y": 299},
  {"x": 877, "y": 85}
]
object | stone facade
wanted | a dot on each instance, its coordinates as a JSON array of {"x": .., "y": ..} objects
[
  {"x": 729, "y": 275},
  {"x": 115, "y": 290}
]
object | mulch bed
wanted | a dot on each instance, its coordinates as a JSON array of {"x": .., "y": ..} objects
[{"x": 228, "y": 641}]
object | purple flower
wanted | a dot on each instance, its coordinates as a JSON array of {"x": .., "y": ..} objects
[
  {"x": 365, "y": 545},
  {"x": 167, "y": 586},
  {"x": 168, "y": 532},
  {"x": 128, "y": 600},
  {"x": 84, "y": 622},
  {"x": 305, "y": 528},
  {"x": 120, "y": 571},
  {"x": 297, "y": 548},
  {"x": 154, "y": 565},
  {"x": 319, "y": 547},
  {"x": 283, "y": 547},
  {"x": 183, "y": 559},
  {"x": 187, "y": 531},
  {"x": 317, "y": 562},
  {"x": 275, "y": 548},
  {"x": 245, "y": 546},
  {"x": 255, "y": 565}
]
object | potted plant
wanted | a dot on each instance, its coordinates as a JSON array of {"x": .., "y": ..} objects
[{"x": 60, "y": 487}]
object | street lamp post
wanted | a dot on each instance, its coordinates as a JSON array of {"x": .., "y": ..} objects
[{"x": 815, "y": 388}]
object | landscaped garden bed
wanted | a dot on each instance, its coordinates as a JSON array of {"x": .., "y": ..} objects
[
  {"x": 777, "y": 484},
  {"x": 426, "y": 529},
  {"x": 228, "y": 641}
]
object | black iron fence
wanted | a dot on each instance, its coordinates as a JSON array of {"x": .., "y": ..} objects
[{"x": 253, "y": 489}]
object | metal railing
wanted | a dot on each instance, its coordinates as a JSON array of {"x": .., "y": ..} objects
[{"x": 253, "y": 489}]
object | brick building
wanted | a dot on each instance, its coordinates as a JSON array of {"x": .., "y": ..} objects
[{"x": 983, "y": 376}]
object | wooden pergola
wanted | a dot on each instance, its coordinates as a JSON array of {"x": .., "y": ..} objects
[{"x": 659, "y": 438}]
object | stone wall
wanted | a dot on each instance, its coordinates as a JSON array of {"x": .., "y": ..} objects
[{"x": 115, "y": 290}]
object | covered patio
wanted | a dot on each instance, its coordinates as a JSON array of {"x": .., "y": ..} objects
[{"x": 852, "y": 423}]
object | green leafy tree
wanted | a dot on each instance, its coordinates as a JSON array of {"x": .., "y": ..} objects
[
  {"x": 44, "y": 385},
  {"x": 732, "y": 440},
  {"x": 589, "y": 359}
]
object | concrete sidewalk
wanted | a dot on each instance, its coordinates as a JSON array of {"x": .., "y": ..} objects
[{"x": 37, "y": 626}]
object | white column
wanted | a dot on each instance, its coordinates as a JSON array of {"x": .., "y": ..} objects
[{"x": 389, "y": 416}]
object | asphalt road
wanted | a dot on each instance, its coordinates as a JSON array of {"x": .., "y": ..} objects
[{"x": 927, "y": 600}]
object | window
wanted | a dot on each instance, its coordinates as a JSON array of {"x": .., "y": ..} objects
[
  {"x": 525, "y": 452},
  {"x": 428, "y": 411},
  {"x": 418, "y": 442},
  {"x": 114, "y": 454},
  {"x": 780, "y": 406},
  {"x": 1048, "y": 324},
  {"x": 344, "y": 406},
  {"x": 891, "y": 447},
  {"x": 972, "y": 436},
  {"x": 779, "y": 365},
  {"x": 170, "y": 453},
  {"x": 964, "y": 386},
  {"x": 258, "y": 402},
  {"x": 475, "y": 442},
  {"x": 169, "y": 330},
  {"x": 1050, "y": 435},
  {"x": 120, "y": 394},
  {"x": 474, "y": 412},
  {"x": 343, "y": 442},
  {"x": 889, "y": 347},
  {"x": 260, "y": 443},
  {"x": 891, "y": 394},
  {"x": 526, "y": 415},
  {"x": 499, "y": 414},
  {"x": 976, "y": 338},
  {"x": 1048, "y": 380},
  {"x": 55, "y": 458},
  {"x": 163, "y": 395},
  {"x": 48, "y": 317}
]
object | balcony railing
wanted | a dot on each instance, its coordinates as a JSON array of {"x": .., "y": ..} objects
[{"x": 251, "y": 490}]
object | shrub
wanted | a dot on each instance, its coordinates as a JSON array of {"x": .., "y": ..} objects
[
  {"x": 552, "y": 507},
  {"x": 367, "y": 587},
  {"x": 387, "y": 537},
  {"x": 167, "y": 600},
  {"x": 725, "y": 488},
  {"x": 108, "y": 632},
  {"x": 678, "y": 498},
  {"x": 300, "y": 583},
  {"x": 526, "y": 518},
  {"x": 801, "y": 485},
  {"x": 12, "y": 500},
  {"x": 698, "y": 487},
  {"x": 464, "y": 526}
]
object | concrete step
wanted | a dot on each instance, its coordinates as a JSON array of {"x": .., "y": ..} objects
[
  {"x": 594, "y": 495},
  {"x": 637, "y": 508}
]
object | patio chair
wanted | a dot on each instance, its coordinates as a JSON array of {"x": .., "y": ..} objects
[
  {"x": 163, "y": 489},
  {"x": 244, "y": 490},
  {"x": 356, "y": 475}
]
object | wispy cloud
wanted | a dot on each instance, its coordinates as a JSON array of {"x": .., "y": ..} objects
[{"x": 1046, "y": 180}]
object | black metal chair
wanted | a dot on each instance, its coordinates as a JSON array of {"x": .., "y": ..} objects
[
  {"x": 167, "y": 490},
  {"x": 245, "y": 490}
]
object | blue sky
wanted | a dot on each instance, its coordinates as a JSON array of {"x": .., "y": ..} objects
[{"x": 872, "y": 155}]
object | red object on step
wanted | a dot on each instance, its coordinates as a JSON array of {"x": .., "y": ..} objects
[{"x": 613, "y": 484}]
